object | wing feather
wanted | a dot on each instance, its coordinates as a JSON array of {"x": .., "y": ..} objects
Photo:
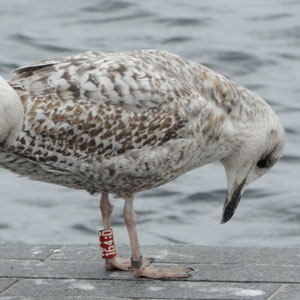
[
  {"x": 132, "y": 80},
  {"x": 98, "y": 105}
]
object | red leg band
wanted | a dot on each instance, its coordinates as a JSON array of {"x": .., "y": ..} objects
[{"x": 107, "y": 243}]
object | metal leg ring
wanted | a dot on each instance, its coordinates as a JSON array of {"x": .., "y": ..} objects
[{"x": 136, "y": 264}]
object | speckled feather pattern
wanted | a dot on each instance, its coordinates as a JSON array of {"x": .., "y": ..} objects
[{"x": 123, "y": 122}]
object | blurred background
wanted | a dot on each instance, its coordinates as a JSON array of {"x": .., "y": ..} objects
[{"x": 255, "y": 43}]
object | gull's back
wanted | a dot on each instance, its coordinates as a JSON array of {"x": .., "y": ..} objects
[{"x": 119, "y": 121}]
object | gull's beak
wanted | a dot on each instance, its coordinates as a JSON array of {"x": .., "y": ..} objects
[{"x": 232, "y": 201}]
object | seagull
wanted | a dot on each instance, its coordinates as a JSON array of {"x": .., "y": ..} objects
[{"x": 121, "y": 123}]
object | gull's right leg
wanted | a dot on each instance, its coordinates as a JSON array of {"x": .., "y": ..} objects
[{"x": 116, "y": 262}]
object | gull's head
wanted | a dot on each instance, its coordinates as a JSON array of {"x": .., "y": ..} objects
[
  {"x": 11, "y": 114},
  {"x": 260, "y": 145}
]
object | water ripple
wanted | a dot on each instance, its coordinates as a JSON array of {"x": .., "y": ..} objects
[
  {"x": 171, "y": 240},
  {"x": 176, "y": 39},
  {"x": 159, "y": 193},
  {"x": 30, "y": 41},
  {"x": 273, "y": 17},
  {"x": 290, "y": 35},
  {"x": 291, "y": 158},
  {"x": 258, "y": 193},
  {"x": 289, "y": 56},
  {"x": 135, "y": 16},
  {"x": 247, "y": 63},
  {"x": 108, "y": 6},
  {"x": 4, "y": 226},
  {"x": 184, "y": 21},
  {"x": 215, "y": 195},
  {"x": 289, "y": 130},
  {"x": 83, "y": 229}
]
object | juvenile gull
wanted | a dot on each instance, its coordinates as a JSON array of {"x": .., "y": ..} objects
[{"x": 122, "y": 123}]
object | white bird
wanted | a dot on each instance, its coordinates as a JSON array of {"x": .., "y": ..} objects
[{"x": 122, "y": 123}]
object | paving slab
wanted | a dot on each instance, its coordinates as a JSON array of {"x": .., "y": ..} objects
[
  {"x": 5, "y": 283},
  {"x": 190, "y": 254},
  {"x": 61, "y": 297},
  {"x": 288, "y": 292},
  {"x": 77, "y": 272},
  {"x": 26, "y": 251},
  {"x": 95, "y": 270},
  {"x": 142, "y": 289}
]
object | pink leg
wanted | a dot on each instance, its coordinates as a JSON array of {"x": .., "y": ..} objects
[
  {"x": 106, "y": 210},
  {"x": 117, "y": 262},
  {"x": 137, "y": 263}
]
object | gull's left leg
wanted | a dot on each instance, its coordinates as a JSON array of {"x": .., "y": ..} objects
[
  {"x": 139, "y": 268},
  {"x": 116, "y": 262}
]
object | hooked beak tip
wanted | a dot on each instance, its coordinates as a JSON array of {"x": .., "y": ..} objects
[
  {"x": 232, "y": 201},
  {"x": 222, "y": 221},
  {"x": 227, "y": 213}
]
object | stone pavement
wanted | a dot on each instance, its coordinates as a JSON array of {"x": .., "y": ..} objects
[{"x": 77, "y": 272}]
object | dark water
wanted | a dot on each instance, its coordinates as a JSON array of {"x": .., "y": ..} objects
[{"x": 256, "y": 43}]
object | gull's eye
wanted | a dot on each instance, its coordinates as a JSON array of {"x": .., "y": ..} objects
[{"x": 264, "y": 163}]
